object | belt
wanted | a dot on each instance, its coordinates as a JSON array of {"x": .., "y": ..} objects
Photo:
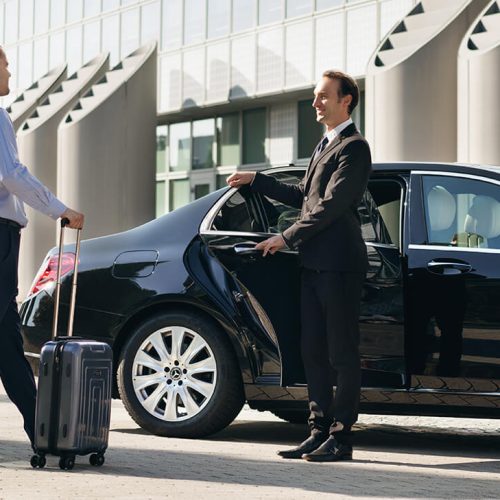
[{"x": 9, "y": 222}]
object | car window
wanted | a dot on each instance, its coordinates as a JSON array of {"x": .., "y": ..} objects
[
  {"x": 461, "y": 212},
  {"x": 380, "y": 212},
  {"x": 280, "y": 216},
  {"x": 237, "y": 214}
]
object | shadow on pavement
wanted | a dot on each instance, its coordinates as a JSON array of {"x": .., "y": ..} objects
[{"x": 357, "y": 478}]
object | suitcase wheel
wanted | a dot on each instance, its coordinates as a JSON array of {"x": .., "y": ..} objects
[
  {"x": 96, "y": 459},
  {"x": 66, "y": 463},
  {"x": 38, "y": 461}
]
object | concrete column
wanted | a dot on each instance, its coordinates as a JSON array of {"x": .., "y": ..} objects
[
  {"x": 37, "y": 140},
  {"x": 411, "y": 90},
  {"x": 107, "y": 148},
  {"x": 478, "y": 89}
]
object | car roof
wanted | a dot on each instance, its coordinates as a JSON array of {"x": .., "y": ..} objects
[{"x": 409, "y": 166}]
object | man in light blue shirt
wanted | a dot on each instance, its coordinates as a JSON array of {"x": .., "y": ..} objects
[{"x": 18, "y": 186}]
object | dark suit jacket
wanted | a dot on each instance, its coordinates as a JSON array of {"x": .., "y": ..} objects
[{"x": 327, "y": 234}]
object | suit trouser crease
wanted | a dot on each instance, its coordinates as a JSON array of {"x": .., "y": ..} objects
[
  {"x": 330, "y": 305},
  {"x": 15, "y": 371}
]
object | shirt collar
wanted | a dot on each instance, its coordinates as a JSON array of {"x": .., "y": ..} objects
[{"x": 336, "y": 131}]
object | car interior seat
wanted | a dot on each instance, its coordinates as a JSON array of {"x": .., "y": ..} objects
[
  {"x": 441, "y": 209},
  {"x": 482, "y": 222}
]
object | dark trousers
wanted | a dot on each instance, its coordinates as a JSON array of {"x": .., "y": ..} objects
[
  {"x": 330, "y": 305},
  {"x": 15, "y": 371}
]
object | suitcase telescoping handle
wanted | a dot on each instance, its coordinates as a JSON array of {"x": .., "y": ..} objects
[{"x": 64, "y": 223}]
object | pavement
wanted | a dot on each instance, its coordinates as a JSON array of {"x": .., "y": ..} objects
[{"x": 395, "y": 457}]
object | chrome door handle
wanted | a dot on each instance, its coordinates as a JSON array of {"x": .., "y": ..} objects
[
  {"x": 448, "y": 268},
  {"x": 245, "y": 249}
]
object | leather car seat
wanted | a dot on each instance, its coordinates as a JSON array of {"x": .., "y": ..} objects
[{"x": 441, "y": 209}]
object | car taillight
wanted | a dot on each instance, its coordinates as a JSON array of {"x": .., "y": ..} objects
[{"x": 47, "y": 274}]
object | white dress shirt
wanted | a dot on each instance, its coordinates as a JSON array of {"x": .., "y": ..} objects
[
  {"x": 336, "y": 131},
  {"x": 17, "y": 185}
]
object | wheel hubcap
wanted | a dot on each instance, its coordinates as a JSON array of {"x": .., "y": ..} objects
[{"x": 174, "y": 373}]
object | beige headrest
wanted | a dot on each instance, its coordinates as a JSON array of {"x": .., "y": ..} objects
[
  {"x": 483, "y": 217},
  {"x": 442, "y": 208}
]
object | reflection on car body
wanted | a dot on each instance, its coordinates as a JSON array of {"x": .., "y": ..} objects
[{"x": 200, "y": 322}]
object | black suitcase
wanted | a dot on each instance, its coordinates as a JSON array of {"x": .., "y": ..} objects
[{"x": 73, "y": 405}]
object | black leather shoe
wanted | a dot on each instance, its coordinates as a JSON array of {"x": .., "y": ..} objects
[
  {"x": 330, "y": 451},
  {"x": 309, "y": 445}
]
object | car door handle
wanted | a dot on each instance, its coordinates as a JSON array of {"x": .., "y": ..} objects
[
  {"x": 448, "y": 268},
  {"x": 246, "y": 248}
]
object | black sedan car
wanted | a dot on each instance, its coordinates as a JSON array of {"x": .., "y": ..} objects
[{"x": 200, "y": 322}]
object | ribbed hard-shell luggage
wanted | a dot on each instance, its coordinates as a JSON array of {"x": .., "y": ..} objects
[{"x": 73, "y": 405}]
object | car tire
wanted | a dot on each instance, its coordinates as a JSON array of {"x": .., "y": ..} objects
[
  {"x": 292, "y": 416},
  {"x": 194, "y": 403}
]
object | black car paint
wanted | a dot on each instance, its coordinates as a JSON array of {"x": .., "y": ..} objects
[{"x": 198, "y": 280}]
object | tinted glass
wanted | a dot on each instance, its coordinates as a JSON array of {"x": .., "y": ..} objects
[
  {"x": 279, "y": 215},
  {"x": 179, "y": 193},
  {"x": 172, "y": 24},
  {"x": 310, "y": 131},
  {"x": 203, "y": 140},
  {"x": 160, "y": 198},
  {"x": 270, "y": 11},
  {"x": 218, "y": 18},
  {"x": 194, "y": 21},
  {"x": 201, "y": 190},
  {"x": 228, "y": 139},
  {"x": 180, "y": 146},
  {"x": 254, "y": 135},
  {"x": 161, "y": 148},
  {"x": 244, "y": 14},
  {"x": 220, "y": 180},
  {"x": 298, "y": 7},
  {"x": 461, "y": 212},
  {"x": 236, "y": 215}
]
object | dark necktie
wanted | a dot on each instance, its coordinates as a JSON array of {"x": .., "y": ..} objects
[{"x": 321, "y": 146}]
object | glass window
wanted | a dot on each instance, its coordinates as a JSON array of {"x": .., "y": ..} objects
[
  {"x": 218, "y": 18},
  {"x": 161, "y": 149},
  {"x": 244, "y": 14},
  {"x": 160, "y": 198},
  {"x": 327, "y": 4},
  {"x": 40, "y": 57},
  {"x": 280, "y": 216},
  {"x": 236, "y": 215},
  {"x": 26, "y": 10},
  {"x": 228, "y": 139},
  {"x": 74, "y": 10},
  {"x": 379, "y": 212},
  {"x": 194, "y": 21},
  {"x": 11, "y": 21},
  {"x": 310, "y": 131},
  {"x": 150, "y": 22},
  {"x": 42, "y": 13},
  {"x": 91, "y": 7},
  {"x": 110, "y": 4},
  {"x": 270, "y": 11},
  {"x": 220, "y": 180},
  {"x": 461, "y": 212},
  {"x": 172, "y": 25},
  {"x": 74, "y": 48},
  {"x": 203, "y": 140},
  {"x": 201, "y": 190},
  {"x": 130, "y": 32},
  {"x": 128, "y": 2},
  {"x": 1, "y": 24},
  {"x": 25, "y": 65},
  {"x": 254, "y": 135},
  {"x": 180, "y": 146},
  {"x": 110, "y": 38},
  {"x": 298, "y": 7},
  {"x": 57, "y": 13},
  {"x": 57, "y": 48},
  {"x": 91, "y": 40},
  {"x": 179, "y": 193}
]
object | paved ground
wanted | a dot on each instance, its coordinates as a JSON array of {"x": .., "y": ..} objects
[{"x": 396, "y": 457}]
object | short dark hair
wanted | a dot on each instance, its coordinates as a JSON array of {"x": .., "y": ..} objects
[{"x": 348, "y": 86}]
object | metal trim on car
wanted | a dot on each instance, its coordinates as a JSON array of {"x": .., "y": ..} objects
[
  {"x": 456, "y": 174},
  {"x": 452, "y": 249}
]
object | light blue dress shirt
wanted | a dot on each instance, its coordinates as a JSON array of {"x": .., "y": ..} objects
[{"x": 17, "y": 185}]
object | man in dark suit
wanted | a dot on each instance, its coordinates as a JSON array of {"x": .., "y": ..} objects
[{"x": 334, "y": 262}]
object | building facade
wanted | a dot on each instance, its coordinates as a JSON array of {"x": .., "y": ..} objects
[{"x": 235, "y": 77}]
